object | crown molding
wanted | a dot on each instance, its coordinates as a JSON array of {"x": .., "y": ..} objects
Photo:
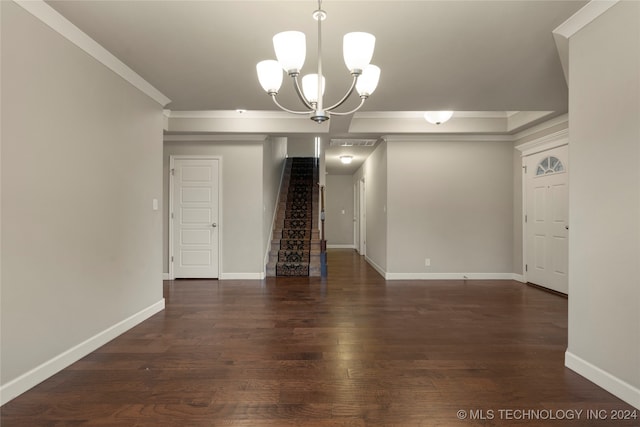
[
  {"x": 575, "y": 23},
  {"x": 232, "y": 114},
  {"x": 448, "y": 138},
  {"x": 583, "y": 17},
  {"x": 542, "y": 126},
  {"x": 553, "y": 140},
  {"x": 214, "y": 138},
  {"x": 64, "y": 27}
]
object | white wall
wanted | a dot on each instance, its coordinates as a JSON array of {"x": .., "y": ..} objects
[
  {"x": 274, "y": 154},
  {"x": 339, "y": 211},
  {"x": 374, "y": 172},
  {"x": 81, "y": 164},
  {"x": 451, "y": 202},
  {"x": 604, "y": 202},
  {"x": 241, "y": 197}
]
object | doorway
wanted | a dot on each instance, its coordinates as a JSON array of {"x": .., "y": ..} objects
[
  {"x": 194, "y": 229},
  {"x": 546, "y": 218},
  {"x": 361, "y": 242}
]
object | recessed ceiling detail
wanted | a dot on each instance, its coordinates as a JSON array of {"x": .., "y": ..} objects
[{"x": 351, "y": 142}]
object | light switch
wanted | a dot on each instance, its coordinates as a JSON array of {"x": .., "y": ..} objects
[
  {"x": 155, "y": 204},
  {"x": 343, "y": 212}
]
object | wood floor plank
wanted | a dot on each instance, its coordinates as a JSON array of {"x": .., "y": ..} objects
[{"x": 350, "y": 350}]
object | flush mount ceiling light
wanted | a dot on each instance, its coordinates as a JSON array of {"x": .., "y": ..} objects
[
  {"x": 437, "y": 117},
  {"x": 346, "y": 159},
  {"x": 290, "y": 48}
]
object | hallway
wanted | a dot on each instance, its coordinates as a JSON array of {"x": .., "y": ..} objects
[{"x": 349, "y": 350}]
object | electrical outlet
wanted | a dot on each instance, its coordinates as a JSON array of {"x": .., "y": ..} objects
[{"x": 427, "y": 262}]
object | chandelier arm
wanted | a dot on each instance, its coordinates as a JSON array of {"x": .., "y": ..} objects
[
  {"x": 296, "y": 84},
  {"x": 349, "y": 92},
  {"x": 273, "y": 96},
  {"x": 346, "y": 113}
]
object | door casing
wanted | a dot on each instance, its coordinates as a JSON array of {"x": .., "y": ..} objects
[{"x": 172, "y": 160}]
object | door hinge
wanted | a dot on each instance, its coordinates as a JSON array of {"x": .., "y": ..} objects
[
  {"x": 526, "y": 218},
  {"x": 526, "y": 267},
  {"x": 171, "y": 215},
  {"x": 171, "y": 258},
  {"x": 173, "y": 171},
  {"x": 525, "y": 169}
]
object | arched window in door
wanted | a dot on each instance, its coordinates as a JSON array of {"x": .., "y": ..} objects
[{"x": 549, "y": 165}]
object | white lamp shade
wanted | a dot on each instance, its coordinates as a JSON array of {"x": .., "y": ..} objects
[
  {"x": 358, "y": 50},
  {"x": 269, "y": 75},
  {"x": 437, "y": 117},
  {"x": 310, "y": 87},
  {"x": 368, "y": 81},
  {"x": 291, "y": 49}
]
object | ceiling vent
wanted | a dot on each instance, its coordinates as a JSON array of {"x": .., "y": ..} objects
[{"x": 353, "y": 142}]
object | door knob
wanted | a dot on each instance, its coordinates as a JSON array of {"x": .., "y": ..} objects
[{"x": 214, "y": 225}]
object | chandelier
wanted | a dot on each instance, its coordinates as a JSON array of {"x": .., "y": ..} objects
[{"x": 290, "y": 48}]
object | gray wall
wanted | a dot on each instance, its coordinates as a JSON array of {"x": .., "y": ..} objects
[
  {"x": 374, "y": 172},
  {"x": 81, "y": 164},
  {"x": 339, "y": 210},
  {"x": 303, "y": 146},
  {"x": 241, "y": 196},
  {"x": 517, "y": 253},
  {"x": 451, "y": 202},
  {"x": 273, "y": 161},
  {"x": 604, "y": 202}
]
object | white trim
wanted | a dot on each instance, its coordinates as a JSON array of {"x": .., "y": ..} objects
[
  {"x": 351, "y": 246},
  {"x": 575, "y": 23},
  {"x": 65, "y": 28},
  {"x": 547, "y": 142},
  {"x": 165, "y": 276},
  {"x": 449, "y": 276},
  {"x": 519, "y": 278},
  {"x": 604, "y": 379},
  {"x": 449, "y": 138},
  {"x": 420, "y": 114},
  {"x": 233, "y": 114},
  {"x": 583, "y": 17},
  {"x": 544, "y": 143},
  {"x": 242, "y": 276},
  {"x": 542, "y": 126},
  {"x": 375, "y": 266},
  {"x": 214, "y": 138},
  {"x": 172, "y": 160},
  {"x": 26, "y": 381}
]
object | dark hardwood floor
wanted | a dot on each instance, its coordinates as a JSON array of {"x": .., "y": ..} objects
[{"x": 351, "y": 350}]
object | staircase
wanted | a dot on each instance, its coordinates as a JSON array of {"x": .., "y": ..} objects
[{"x": 295, "y": 246}]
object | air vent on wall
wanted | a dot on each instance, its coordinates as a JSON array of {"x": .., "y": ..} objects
[{"x": 352, "y": 142}]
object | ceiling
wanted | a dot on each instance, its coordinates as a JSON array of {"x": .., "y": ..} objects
[{"x": 466, "y": 56}]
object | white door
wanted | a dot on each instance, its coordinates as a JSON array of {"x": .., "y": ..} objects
[
  {"x": 195, "y": 218},
  {"x": 547, "y": 227},
  {"x": 363, "y": 219}
]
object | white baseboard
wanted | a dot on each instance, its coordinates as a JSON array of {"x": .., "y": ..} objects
[
  {"x": 519, "y": 278},
  {"x": 165, "y": 276},
  {"x": 242, "y": 276},
  {"x": 24, "y": 382},
  {"x": 376, "y": 266},
  {"x": 449, "y": 276},
  {"x": 613, "y": 385},
  {"x": 340, "y": 246}
]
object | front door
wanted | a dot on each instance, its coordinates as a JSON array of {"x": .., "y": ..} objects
[
  {"x": 547, "y": 227},
  {"x": 195, "y": 218}
]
